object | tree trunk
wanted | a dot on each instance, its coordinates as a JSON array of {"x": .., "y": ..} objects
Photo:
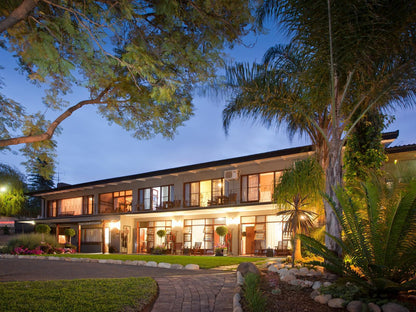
[{"x": 333, "y": 180}]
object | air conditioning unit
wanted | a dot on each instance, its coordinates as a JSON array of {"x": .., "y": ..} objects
[{"x": 231, "y": 174}]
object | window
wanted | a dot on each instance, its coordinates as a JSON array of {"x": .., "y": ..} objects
[
  {"x": 204, "y": 193},
  {"x": 91, "y": 235},
  {"x": 115, "y": 202},
  {"x": 259, "y": 187},
  {"x": 70, "y": 206},
  {"x": 156, "y": 197}
]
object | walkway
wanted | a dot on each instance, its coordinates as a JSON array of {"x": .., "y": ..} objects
[{"x": 179, "y": 290}]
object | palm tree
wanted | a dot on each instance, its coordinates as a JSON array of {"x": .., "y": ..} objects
[
  {"x": 299, "y": 188},
  {"x": 354, "y": 56}
]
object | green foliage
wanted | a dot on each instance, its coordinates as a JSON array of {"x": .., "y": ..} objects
[
  {"x": 70, "y": 232},
  {"x": 12, "y": 189},
  {"x": 115, "y": 294},
  {"x": 42, "y": 228},
  {"x": 364, "y": 152},
  {"x": 379, "y": 242},
  {"x": 139, "y": 61},
  {"x": 161, "y": 233},
  {"x": 346, "y": 291},
  {"x": 252, "y": 293},
  {"x": 221, "y": 230},
  {"x": 31, "y": 241}
]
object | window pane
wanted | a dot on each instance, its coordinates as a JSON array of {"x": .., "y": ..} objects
[
  {"x": 253, "y": 187},
  {"x": 147, "y": 199},
  {"x": 266, "y": 186},
  {"x": 71, "y": 206},
  {"x": 244, "y": 188},
  {"x": 155, "y": 197},
  {"x": 205, "y": 187},
  {"x": 187, "y": 194},
  {"x": 106, "y": 203}
]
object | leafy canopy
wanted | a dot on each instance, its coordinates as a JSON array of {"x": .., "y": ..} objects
[
  {"x": 12, "y": 190},
  {"x": 139, "y": 61}
]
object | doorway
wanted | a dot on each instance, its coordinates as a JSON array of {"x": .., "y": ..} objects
[{"x": 250, "y": 240}]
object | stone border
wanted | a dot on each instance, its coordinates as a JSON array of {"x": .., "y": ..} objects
[
  {"x": 153, "y": 264},
  {"x": 294, "y": 277}
]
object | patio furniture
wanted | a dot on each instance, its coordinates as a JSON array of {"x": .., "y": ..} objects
[
  {"x": 197, "y": 249},
  {"x": 282, "y": 248},
  {"x": 259, "y": 248},
  {"x": 177, "y": 249}
]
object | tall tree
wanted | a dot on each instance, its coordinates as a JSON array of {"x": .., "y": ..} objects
[
  {"x": 139, "y": 60},
  {"x": 297, "y": 193},
  {"x": 360, "y": 56},
  {"x": 12, "y": 188}
]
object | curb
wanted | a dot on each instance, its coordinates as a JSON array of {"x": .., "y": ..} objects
[{"x": 163, "y": 265}]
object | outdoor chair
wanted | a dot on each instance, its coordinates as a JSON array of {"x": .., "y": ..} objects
[
  {"x": 197, "y": 249},
  {"x": 177, "y": 248}
]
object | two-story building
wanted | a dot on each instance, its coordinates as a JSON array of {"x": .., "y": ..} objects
[{"x": 124, "y": 214}]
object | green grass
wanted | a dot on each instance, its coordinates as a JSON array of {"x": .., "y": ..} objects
[
  {"x": 118, "y": 294},
  {"x": 204, "y": 262}
]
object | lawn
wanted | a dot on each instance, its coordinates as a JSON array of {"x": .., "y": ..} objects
[
  {"x": 204, "y": 262},
  {"x": 119, "y": 294}
]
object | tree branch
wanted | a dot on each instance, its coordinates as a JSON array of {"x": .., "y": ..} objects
[
  {"x": 20, "y": 13},
  {"x": 52, "y": 127}
]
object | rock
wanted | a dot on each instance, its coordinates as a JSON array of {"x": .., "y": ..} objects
[
  {"x": 393, "y": 307},
  {"x": 287, "y": 278},
  {"x": 314, "y": 293},
  {"x": 295, "y": 282},
  {"x": 240, "y": 278},
  {"x": 164, "y": 265},
  {"x": 191, "y": 267},
  {"x": 238, "y": 309},
  {"x": 248, "y": 267},
  {"x": 294, "y": 271},
  {"x": 273, "y": 268},
  {"x": 102, "y": 261},
  {"x": 117, "y": 262},
  {"x": 280, "y": 265},
  {"x": 152, "y": 264},
  {"x": 336, "y": 303},
  {"x": 355, "y": 306},
  {"x": 307, "y": 283},
  {"x": 316, "y": 285},
  {"x": 326, "y": 284},
  {"x": 323, "y": 299},
  {"x": 176, "y": 266},
  {"x": 283, "y": 272},
  {"x": 236, "y": 300},
  {"x": 372, "y": 307},
  {"x": 303, "y": 271},
  {"x": 141, "y": 262}
]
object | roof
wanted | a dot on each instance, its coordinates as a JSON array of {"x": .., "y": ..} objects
[{"x": 388, "y": 136}]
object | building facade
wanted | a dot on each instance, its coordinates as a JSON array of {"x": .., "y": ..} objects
[{"x": 124, "y": 214}]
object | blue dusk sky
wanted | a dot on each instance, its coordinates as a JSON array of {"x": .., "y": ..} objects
[{"x": 90, "y": 149}]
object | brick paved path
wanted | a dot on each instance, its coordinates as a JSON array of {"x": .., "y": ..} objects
[
  {"x": 179, "y": 290},
  {"x": 198, "y": 293}
]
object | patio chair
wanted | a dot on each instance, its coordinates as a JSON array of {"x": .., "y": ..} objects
[
  {"x": 177, "y": 249},
  {"x": 197, "y": 249},
  {"x": 259, "y": 249}
]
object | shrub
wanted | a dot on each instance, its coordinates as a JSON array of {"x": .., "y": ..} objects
[
  {"x": 221, "y": 230},
  {"x": 252, "y": 293},
  {"x": 31, "y": 241},
  {"x": 42, "y": 228},
  {"x": 69, "y": 232},
  {"x": 161, "y": 233},
  {"x": 379, "y": 246}
]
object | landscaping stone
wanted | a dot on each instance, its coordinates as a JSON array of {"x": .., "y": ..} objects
[
  {"x": 236, "y": 300},
  {"x": 176, "y": 266},
  {"x": 326, "y": 284},
  {"x": 280, "y": 265},
  {"x": 294, "y": 271},
  {"x": 283, "y": 272},
  {"x": 372, "y": 307},
  {"x": 307, "y": 283},
  {"x": 247, "y": 267},
  {"x": 303, "y": 271},
  {"x": 314, "y": 293},
  {"x": 191, "y": 267},
  {"x": 287, "y": 278},
  {"x": 295, "y": 282},
  {"x": 152, "y": 264},
  {"x": 323, "y": 299},
  {"x": 336, "y": 303},
  {"x": 273, "y": 268},
  {"x": 355, "y": 306},
  {"x": 393, "y": 307},
  {"x": 141, "y": 262},
  {"x": 238, "y": 309},
  {"x": 316, "y": 285},
  {"x": 240, "y": 278},
  {"x": 102, "y": 261},
  {"x": 164, "y": 265}
]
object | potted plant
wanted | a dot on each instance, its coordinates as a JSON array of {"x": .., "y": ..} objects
[
  {"x": 221, "y": 231},
  {"x": 43, "y": 229},
  {"x": 69, "y": 233}
]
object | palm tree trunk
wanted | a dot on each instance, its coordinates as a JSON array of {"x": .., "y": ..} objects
[{"x": 333, "y": 180}]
